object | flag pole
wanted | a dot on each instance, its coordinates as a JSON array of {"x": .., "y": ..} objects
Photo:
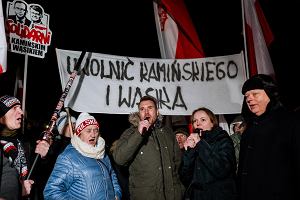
[
  {"x": 24, "y": 92},
  {"x": 245, "y": 39},
  {"x": 47, "y": 134}
]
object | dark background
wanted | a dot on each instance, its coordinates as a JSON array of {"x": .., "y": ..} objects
[{"x": 127, "y": 28}]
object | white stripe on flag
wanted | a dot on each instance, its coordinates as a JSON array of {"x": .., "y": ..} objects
[
  {"x": 261, "y": 54},
  {"x": 167, "y": 32}
]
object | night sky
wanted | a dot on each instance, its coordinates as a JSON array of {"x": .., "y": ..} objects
[{"x": 127, "y": 28}]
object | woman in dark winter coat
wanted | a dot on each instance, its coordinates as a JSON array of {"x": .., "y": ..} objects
[
  {"x": 269, "y": 164},
  {"x": 13, "y": 162},
  {"x": 209, "y": 165}
]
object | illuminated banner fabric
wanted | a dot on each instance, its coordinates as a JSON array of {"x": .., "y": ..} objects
[{"x": 115, "y": 84}]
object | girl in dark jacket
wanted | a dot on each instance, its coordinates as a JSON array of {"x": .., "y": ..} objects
[{"x": 209, "y": 165}]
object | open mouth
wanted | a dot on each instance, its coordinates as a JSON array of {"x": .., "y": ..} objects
[
  {"x": 92, "y": 140},
  {"x": 252, "y": 106}
]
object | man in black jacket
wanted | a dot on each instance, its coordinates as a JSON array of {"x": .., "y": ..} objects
[
  {"x": 269, "y": 164},
  {"x": 20, "y": 9}
]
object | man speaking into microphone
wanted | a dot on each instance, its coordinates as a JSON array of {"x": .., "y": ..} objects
[{"x": 151, "y": 152}]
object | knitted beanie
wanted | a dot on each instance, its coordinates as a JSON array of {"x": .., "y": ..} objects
[
  {"x": 84, "y": 120},
  {"x": 181, "y": 129},
  {"x": 6, "y": 103},
  {"x": 63, "y": 120}
]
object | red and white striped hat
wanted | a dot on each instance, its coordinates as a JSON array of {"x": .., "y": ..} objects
[{"x": 84, "y": 120}]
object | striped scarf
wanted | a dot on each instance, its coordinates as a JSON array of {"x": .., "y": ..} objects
[{"x": 14, "y": 151}]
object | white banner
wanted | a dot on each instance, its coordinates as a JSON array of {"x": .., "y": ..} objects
[{"x": 115, "y": 84}]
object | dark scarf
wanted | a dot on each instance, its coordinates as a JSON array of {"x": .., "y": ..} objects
[{"x": 13, "y": 150}]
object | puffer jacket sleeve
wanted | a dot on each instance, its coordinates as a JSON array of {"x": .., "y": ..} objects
[
  {"x": 127, "y": 146},
  {"x": 59, "y": 180},
  {"x": 114, "y": 179},
  {"x": 187, "y": 166}
]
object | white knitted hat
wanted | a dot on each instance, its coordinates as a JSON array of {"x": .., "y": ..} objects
[
  {"x": 84, "y": 120},
  {"x": 63, "y": 120}
]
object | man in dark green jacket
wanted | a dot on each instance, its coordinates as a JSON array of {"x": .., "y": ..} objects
[{"x": 152, "y": 154}]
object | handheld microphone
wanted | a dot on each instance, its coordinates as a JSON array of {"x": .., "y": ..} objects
[
  {"x": 145, "y": 128},
  {"x": 199, "y": 131}
]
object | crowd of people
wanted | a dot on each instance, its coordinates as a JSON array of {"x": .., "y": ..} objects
[{"x": 258, "y": 159}]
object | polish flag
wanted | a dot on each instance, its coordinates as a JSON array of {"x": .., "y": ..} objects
[
  {"x": 176, "y": 33},
  {"x": 178, "y": 38},
  {"x": 259, "y": 36},
  {"x": 3, "y": 44}
]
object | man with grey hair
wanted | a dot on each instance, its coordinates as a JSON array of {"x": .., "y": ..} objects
[{"x": 269, "y": 163}]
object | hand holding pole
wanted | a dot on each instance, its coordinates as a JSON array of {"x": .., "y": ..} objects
[{"x": 47, "y": 134}]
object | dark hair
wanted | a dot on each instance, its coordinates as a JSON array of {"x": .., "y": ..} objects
[
  {"x": 210, "y": 114},
  {"x": 19, "y": 1},
  {"x": 148, "y": 98},
  {"x": 181, "y": 129},
  {"x": 37, "y": 8}
]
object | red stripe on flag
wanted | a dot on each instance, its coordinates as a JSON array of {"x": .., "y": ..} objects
[
  {"x": 188, "y": 44},
  {"x": 267, "y": 32},
  {"x": 251, "y": 51},
  {"x": 1, "y": 69}
]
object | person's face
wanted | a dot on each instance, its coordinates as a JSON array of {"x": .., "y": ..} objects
[
  {"x": 239, "y": 128},
  {"x": 147, "y": 110},
  {"x": 90, "y": 135},
  {"x": 35, "y": 15},
  {"x": 202, "y": 121},
  {"x": 20, "y": 9},
  {"x": 257, "y": 101},
  {"x": 13, "y": 118},
  {"x": 181, "y": 138}
]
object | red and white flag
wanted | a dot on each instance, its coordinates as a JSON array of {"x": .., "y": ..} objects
[
  {"x": 177, "y": 37},
  {"x": 3, "y": 44},
  {"x": 259, "y": 36},
  {"x": 176, "y": 33}
]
